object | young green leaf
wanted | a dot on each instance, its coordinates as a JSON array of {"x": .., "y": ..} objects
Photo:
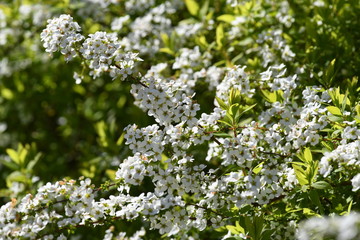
[
  {"x": 33, "y": 162},
  {"x": 204, "y": 9},
  {"x": 330, "y": 72},
  {"x": 307, "y": 155},
  {"x": 239, "y": 228},
  {"x": 300, "y": 175},
  {"x": 321, "y": 185},
  {"x": 248, "y": 108},
  {"x": 221, "y": 103},
  {"x": 192, "y": 6},
  {"x": 219, "y": 35},
  {"x": 232, "y": 229},
  {"x": 167, "y": 50},
  {"x": 13, "y": 155},
  {"x": 269, "y": 96},
  {"x": 228, "y": 18},
  {"x": 334, "y": 110},
  {"x": 10, "y": 164}
]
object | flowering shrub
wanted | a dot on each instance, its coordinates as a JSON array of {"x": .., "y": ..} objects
[{"x": 180, "y": 119}]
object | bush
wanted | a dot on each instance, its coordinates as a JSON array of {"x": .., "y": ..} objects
[{"x": 180, "y": 119}]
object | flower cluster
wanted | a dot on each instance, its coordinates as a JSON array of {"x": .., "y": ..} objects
[
  {"x": 61, "y": 34},
  {"x": 73, "y": 205},
  {"x": 109, "y": 235},
  {"x": 346, "y": 157},
  {"x": 235, "y": 78},
  {"x": 336, "y": 227},
  {"x": 165, "y": 100},
  {"x": 189, "y": 58},
  {"x": 101, "y": 50},
  {"x": 273, "y": 44}
]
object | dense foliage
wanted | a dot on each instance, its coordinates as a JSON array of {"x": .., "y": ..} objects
[{"x": 180, "y": 119}]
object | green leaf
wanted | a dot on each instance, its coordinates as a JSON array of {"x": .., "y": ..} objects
[
  {"x": 10, "y": 165},
  {"x": 192, "y": 6},
  {"x": 173, "y": 38},
  {"x": 94, "y": 27},
  {"x": 350, "y": 206},
  {"x": 335, "y": 118},
  {"x": 244, "y": 121},
  {"x": 226, "y": 123},
  {"x": 249, "y": 108},
  {"x": 228, "y": 18},
  {"x": 357, "y": 109},
  {"x": 220, "y": 35},
  {"x": 237, "y": 57},
  {"x": 249, "y": 226},
  {"x": 167, "y": 50},
  {"x": 204, "y": 9},
  {"x": 4, "y": 192},
  {"x": 233, "y": 110},
  {"x": 266, "y": 234},
  {"x": 221, "y": 103},
  {"x": 7, "y": 93},
  {"x": 239, "y": 228},
  {"x": 335, "y": 95},
  {"x": 259, "y": 226},
  {"x": 321, "y": 185},
  {"x": 234, "y": 96},
  {"x": 279, "y": 95},
  {"x": 334, "y": 110},
  {"x": 310, "y": 213},
  {"x": 165, "y": 39},
  {"x": 300, "y": 175},
  {"x": 300, "y": 164},
  {"x": 312, "y": 171},
  {"x": 221, "y": 229},
  {"x": 314, "y": 197},
  {"x": 33, "y": 162},
  {"x": 307, "y": 155},
  {"x": 202, "y": 41},
  {"x": 245, "y": 42},
  {"x": 101, "y": 131},
  {"x": 269, "y": 96},
  {"x": 258, "y": 168},
  {"x": 345, "y": 101},
  {"x": 232, "y": 229},
  {"x": 357, "y": 119},
  {"x": 111, "y": 174},
  {"x": 13, "y": 155},
  {"x": 327, "y": 145},
  {"x": 121, "y": 139},
  {"x": 330, "y": 72},
  {"x": 16, "y": 177},
  {"x": 23, "y": 152}
]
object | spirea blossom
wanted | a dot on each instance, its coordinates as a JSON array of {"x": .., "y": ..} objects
[
  {"x": 356, "y": 182},
  {"x": 61, "y": 34},
  {"x": 337, "y": 227},
  {"x": 99, "y": 48},
  {"x": 236, "y": 78},
  {"x": 165, "y": 100},
  {"x": 346, "y": 155}
]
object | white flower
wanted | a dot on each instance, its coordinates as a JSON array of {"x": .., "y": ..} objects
[
  {"x": 99, "y": 48},
  {"x": 356, "y": 182},
  {"x": 62, "y": 34}
]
